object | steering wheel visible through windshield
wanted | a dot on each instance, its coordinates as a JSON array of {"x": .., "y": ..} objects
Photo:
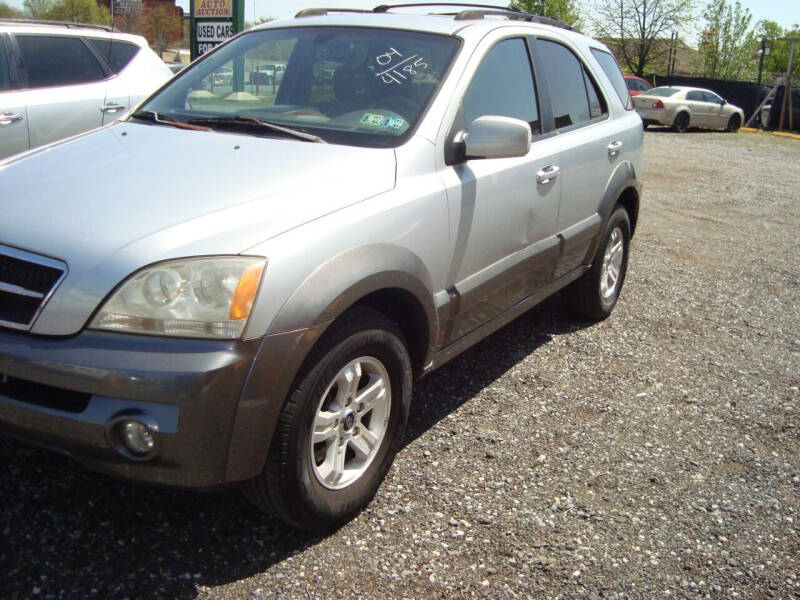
[{"x": 358, "y": 86}]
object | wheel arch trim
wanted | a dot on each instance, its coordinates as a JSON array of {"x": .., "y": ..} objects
[{"x": 325, "y": 294}]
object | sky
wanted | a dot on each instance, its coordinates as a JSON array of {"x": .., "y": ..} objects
[{"x": 785, "y": 12}]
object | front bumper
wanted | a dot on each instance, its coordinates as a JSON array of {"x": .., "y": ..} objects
[{"x": 63, "y": 393}]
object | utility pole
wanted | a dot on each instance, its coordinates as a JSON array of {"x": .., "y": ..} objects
[{"x": 786, "y": 105}]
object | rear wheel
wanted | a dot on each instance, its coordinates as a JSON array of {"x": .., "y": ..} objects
[
  {"x": 341, "y": 426},
  {"x": 734, "y": 123},
  {"x": 681, "y": 123},
  {"x": 595, "y": 294}
]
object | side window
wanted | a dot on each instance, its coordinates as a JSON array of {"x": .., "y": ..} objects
[
  {"x": 115, "y": 52},
  {"x": 503, "y": 85},
  {"x": 609, "y": 65},
  {"x": 51, "y": 61},
  {"x": 5, "y": 80},
  {"x": 711, "y": 97},
  {"x": 695, "y": 96},
  {"x": 575, "y": 97}
]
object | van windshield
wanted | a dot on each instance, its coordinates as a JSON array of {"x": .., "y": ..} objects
[{"x": 348, "y": 85}]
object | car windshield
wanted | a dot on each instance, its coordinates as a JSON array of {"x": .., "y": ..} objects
[
  {"x": 664, "y": 92},
  {"x": 357, "y": 86}
]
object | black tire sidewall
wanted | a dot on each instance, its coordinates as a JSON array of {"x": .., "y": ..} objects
[
  {"x": 328, "y": 505},
  {"x": 734, "y": 123},
  {"x": 681, "y": 123},
  {"x": 618, "y": 219}
]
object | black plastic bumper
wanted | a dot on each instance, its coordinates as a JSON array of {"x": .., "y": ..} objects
[{"x": 63, "y": 393}]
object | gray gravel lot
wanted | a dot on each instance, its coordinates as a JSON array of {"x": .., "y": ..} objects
[{"x": 654, "y": 455}]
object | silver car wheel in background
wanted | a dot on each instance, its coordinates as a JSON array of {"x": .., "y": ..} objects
[
  {"x": 350, "y": 422},
  {"x": 612, "y": 264}
]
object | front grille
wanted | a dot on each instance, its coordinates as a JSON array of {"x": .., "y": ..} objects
[
  {"x": 26, "y": 282},
  {"x": 47, "y": 396}
]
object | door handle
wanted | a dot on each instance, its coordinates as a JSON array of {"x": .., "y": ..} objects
[
  {"x": 111, "y": 108},
  {"x": 545, "y": 174},
  {"x": 8, "y": 118},
  {"x": 614, "y": 148}
]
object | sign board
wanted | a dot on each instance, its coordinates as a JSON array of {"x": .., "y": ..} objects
[
  {"x": 205, "y": 9},
  {"x": 212, "y": 23},
  {"x": 214, "y": 31},
  {"x": 128, "y": 7}
]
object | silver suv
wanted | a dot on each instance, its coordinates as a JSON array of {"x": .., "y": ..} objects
[
  {"x": 411, "y": 184},
  {"x": 59, "y": 79}
]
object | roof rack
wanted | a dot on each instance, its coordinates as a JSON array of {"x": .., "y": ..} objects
[
  {"x": 471, "y": 12},
  {"x": 67, "y": 24}
]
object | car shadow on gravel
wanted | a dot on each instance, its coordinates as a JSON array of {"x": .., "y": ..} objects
[{"x": 69, "y": 533}]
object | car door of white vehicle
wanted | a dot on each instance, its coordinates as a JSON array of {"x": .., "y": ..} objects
[
  {"x": 702, "y": 110},
  {"x": 718, "y": 111},
  {"x": 13, "y": 118},
  {"x": 65, "y": 88},
  {"x": 503, "y": 210}
]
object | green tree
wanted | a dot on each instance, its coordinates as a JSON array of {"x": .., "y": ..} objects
[
  {"x": 565, "y": 10},
  {"x": 161, "y": 24},
  {"x": 639, "y": 30},
  {"x": 777, "y": 61},
  {"x": 727, "y": 41},
  {"x": 37, "y": 9},
  {"x": 9, "y": 12},
  {"x": 80, "y": 11}
]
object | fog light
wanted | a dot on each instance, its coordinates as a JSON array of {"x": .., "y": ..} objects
[{"x": 136, "y": 437}]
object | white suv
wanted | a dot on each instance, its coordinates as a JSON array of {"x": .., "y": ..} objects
[
  {"x": 411, "y": 184},
  {"x": 57, "y": 80}
]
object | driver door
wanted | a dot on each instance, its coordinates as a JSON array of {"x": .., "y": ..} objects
[{"x": 503, "y": 211}]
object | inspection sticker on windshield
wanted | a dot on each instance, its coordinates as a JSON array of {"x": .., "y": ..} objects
[{"x": 382, "y": 121}]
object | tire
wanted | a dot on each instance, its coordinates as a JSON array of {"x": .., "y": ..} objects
[
  {"x": 681, "y": 123},
  {"x": 594, "y": 295},
  {"x": 320, "y": 485},
  {"x": 734, "y": 123},
  {"x": 644, "y": 126}
]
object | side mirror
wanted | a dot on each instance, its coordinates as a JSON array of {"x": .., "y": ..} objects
[
  {"x": 497, "y": 137},
  {"x": 723, "y": 102}
]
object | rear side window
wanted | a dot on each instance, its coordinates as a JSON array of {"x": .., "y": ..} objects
[
  {"x": 5, "y": 82},
  {"x": 115, "y": 52},
  {"x": 575, "y": 97},
  {"x": 52, "y": 61},
  {"x": 609, "y": 64},
  {"x": 695, "y": 96},
  {"x": 503, "y": 86}
]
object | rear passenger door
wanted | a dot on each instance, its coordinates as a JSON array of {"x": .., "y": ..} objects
[
  {"x": 591, "y": 145},
  {"x": 65, "y": 86},
  {"x": 13, "y": 118},
  {"x": 116, "y": 54}
]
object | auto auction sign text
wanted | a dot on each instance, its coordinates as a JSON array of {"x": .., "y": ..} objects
[{"x": 213, "y": 8}]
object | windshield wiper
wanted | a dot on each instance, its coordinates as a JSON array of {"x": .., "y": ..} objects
[
  {"x": 151, "y": 115},
  {"x": 247, "y": 119}
]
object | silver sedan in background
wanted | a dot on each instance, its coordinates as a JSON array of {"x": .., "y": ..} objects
[{"x": 684, "y": 107}]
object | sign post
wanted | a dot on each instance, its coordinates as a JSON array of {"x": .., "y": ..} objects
[{"x": 211, "y": 22}]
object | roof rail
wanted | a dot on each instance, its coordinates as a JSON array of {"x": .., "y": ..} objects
[
  {"x": 483, "y": 10},
  {"x": 321, "y": 12},
  {"x": 67, "y": 24}
]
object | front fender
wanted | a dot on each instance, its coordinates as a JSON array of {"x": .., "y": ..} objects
[{"x": 325, "y": 294}]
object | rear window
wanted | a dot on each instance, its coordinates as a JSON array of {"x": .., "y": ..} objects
[
  {"x": 4, "y": 78},
  {"x": 664, "y": 92},
  {"x": 115, "y": 52},
  {"x": 610, "y": 66}
]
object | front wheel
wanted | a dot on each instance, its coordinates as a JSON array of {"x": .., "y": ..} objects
[
  {"x": 341, "y": 426},
  {"x": 594, "y": 295},
  {"x": 734, "y": 123}
]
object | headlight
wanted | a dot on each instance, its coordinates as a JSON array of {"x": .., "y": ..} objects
[{"x": 194, "y": 297}]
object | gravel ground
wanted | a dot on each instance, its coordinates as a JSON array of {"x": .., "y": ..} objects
[{"x": 654, "y": 455}]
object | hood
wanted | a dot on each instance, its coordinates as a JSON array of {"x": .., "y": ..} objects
[{"x": 113, "y": 201}]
